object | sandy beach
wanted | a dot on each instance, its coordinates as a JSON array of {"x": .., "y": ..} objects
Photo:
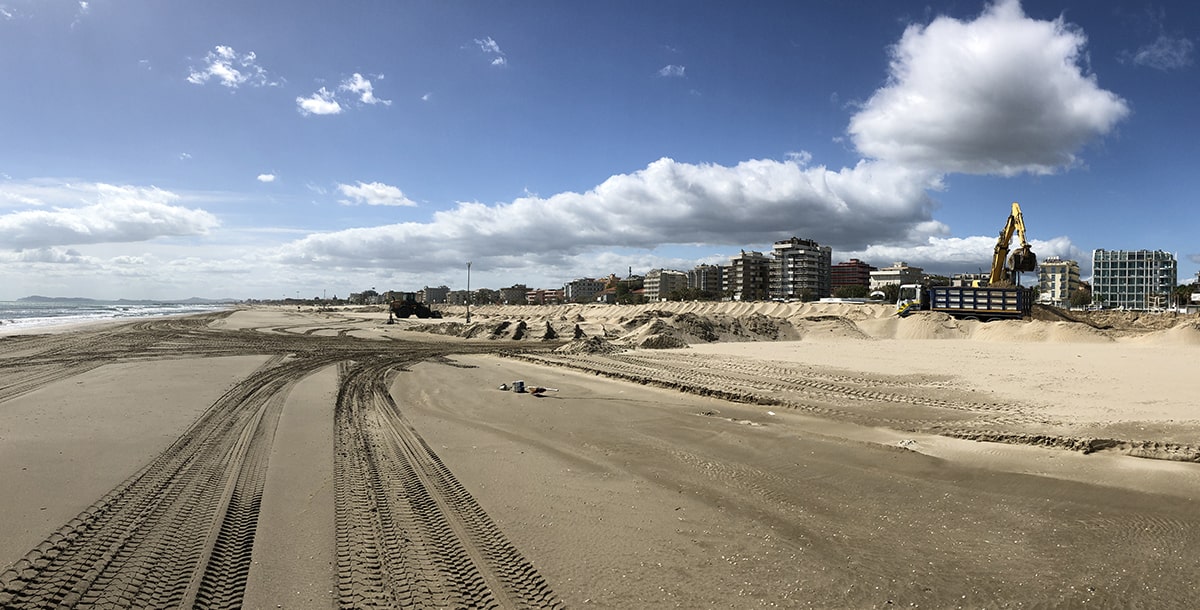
[{"x": 688, "y": 455}]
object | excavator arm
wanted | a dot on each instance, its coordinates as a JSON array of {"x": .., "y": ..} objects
[{"x": 1005, "y": 267}]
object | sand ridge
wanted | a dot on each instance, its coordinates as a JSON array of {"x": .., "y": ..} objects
[{"x": 675, "y": 324}]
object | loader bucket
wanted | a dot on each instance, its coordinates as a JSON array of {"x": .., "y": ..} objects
[{"x": 1022, "y": 259}]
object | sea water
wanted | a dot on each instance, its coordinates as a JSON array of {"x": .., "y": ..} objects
[{"x": 19, "y": 315}]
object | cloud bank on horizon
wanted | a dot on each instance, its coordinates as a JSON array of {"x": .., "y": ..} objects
[{"x": 1001, "y": 94}]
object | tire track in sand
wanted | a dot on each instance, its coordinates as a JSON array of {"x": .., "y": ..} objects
[
  {"x": 409, "y": 534},
  {"x": 180, "y": 532},
  {"x": 177, "y": 533}
]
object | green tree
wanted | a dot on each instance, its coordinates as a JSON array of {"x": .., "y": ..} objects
[
  {"x": 1080, "y": 298},
  {"x": 891, "y": 293},
  {"x": 1182, "y": 294},
  {"x": 485, "y": 296},
  {"x": 626, "y": 295}
]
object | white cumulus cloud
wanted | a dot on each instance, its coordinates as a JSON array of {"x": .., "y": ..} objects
[
  {"x": 357, "y": 88},
  {"x": 266, "y": 178},
  {"x": 362, "y": 87},
  {"x": 321, "y": 102},
  {"x": 100, "y": 213},
  {"x": 373, "y": 193},
  {"x": 667, "y": 202},
  {"x": 229, "y": 68},
  {"x": 1003, "y": 94}
]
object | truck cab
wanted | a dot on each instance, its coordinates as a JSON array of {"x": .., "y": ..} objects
[{"x": 909, "y": 299}]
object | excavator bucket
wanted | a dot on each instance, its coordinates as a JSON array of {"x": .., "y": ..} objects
[{"x": 1022, "y": 259}]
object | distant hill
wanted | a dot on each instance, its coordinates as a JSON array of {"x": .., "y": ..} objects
[{"x": 84, "y": 300}]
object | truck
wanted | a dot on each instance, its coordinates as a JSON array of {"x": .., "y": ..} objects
[
  {"x": 983, "y": 303},
  {"x": 1002, "y": 298}
]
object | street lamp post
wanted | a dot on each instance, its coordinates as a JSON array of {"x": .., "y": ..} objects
[{"x": 468, "y": 292}]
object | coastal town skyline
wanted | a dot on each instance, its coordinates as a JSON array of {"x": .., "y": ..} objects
[{"x": 203, "y": 150}]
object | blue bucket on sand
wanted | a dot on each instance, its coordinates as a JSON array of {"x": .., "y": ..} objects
[{"x": 518, "y": 386}]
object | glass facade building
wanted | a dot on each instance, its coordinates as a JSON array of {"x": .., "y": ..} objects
[{"x": 1133, "y": 279}]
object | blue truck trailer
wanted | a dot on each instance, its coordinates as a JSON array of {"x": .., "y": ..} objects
[{"x": 983, "y": 303}]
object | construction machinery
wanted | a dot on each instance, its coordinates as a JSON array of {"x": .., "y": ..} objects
[
  {"x": 1005, "y": 267},
  {"x": 983, "y": 303},
  {"x": 408, "y": 307},
  {"x": 1001, "y": 299}
]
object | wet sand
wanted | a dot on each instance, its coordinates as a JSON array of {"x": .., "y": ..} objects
[{"x": 310, "y": 459}]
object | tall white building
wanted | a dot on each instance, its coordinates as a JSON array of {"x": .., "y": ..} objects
[
  {"x": 799, "y": 267},
  {"x": 1133, "y": 279},
  {"x": 1057, "y": 280}
]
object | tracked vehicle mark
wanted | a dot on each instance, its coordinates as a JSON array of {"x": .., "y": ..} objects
[{"x": 428, "y": 546}]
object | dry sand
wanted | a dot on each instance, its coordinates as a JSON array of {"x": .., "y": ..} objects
[{"x": 781, "y": 455}]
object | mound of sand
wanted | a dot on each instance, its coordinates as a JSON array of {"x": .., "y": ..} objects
[
  {"x": 589, "y": 345},
  {"x": 679, "y": 324},
  {"x": 1184, "y": 333},
  {"x": 828, "y": 328}
]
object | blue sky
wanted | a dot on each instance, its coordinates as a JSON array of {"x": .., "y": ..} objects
[{"x": 267, "y": 149}]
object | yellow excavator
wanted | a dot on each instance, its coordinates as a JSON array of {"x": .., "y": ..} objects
[
  {"x": 1005, "y": 267},
  {"x": 1001, "y": 299}
]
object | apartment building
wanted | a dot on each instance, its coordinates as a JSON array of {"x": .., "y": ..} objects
[
  {"x": 799, "y": 267},
  {"x": 582, "y": 289},
  {"x": 434, "y": 295},
  {"x": 1057, "y": 280},
  {"x": 899, "y": 273},
  {"x": 514, "y": 295},
  {"x": 660, "y": 283},
  {"x": 1133, "y": 279},
  {"x": 748, "y": 278},
  {"x": 850, "y": 273},
  {"x": 542, "y": 296},
  {"x": 705, "y": 278}
]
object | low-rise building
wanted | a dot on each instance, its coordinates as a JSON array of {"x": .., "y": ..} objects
[
  {"x": 850, "y": 273},
  {"x": 899, "y": 273},
  {"x": 542, "y": 296}
]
